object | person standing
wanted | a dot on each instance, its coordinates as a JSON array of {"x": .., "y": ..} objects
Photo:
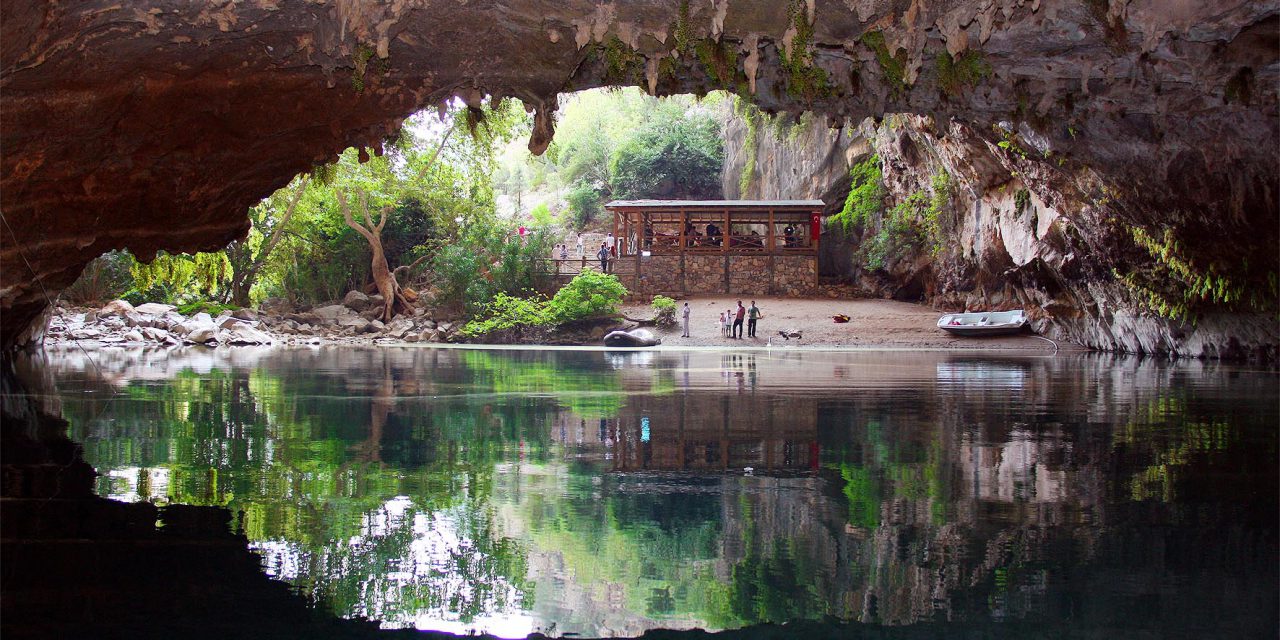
[
  {"x": 753, "y": 314},
  {"x": 737, "y": 320},
  {"x": 580, "y": 254},
  {"x": 603, "y": 255},
  {"x": 685, "y": 315},
  {"x": 612, "y": 243},
  {"x": 724, "y": 323}
]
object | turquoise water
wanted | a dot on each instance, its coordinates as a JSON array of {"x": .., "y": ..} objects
[{"x": 607, "y": 493}]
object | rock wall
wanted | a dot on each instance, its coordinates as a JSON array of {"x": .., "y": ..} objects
[
  {"x": 154, "y": 125},
  {"x": 1010, "y": 236}
]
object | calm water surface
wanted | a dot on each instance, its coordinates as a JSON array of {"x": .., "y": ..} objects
[{"x": 606, "y": 493}]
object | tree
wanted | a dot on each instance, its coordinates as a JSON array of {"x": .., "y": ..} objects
[
  {"x": 677, "y": 154},
  {"x": 392, "y": 294},
  {"x": 246, "y": 264}
]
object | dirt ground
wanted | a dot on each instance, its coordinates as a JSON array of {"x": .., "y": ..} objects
[{"x": 872, "y": 324}]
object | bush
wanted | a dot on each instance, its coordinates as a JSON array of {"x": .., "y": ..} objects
[
  {"x": 584, "y": 205},
  {"x": 664, "y": 310},
  {"x": 590, "y": 294},
  {"x": 205, "y": 306},
  {"x": 508, "y": 312}
]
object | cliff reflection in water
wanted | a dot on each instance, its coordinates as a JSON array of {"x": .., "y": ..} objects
[{"x": 608, "y": 493}]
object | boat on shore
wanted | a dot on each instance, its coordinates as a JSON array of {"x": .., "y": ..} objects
[{"x": 984, "y": 323}]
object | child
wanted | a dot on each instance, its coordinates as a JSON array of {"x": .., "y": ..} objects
[{"x": 724, "y": 324}]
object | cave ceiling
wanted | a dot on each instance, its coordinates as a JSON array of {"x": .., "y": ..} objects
[{"x": 154, "y": 125}]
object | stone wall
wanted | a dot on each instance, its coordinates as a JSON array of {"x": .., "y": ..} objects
[
  {"x": 795, "y": 275},
  {"x": 715, "y": 273},
  {"x": 749, "y": 275},
  {"x": 704, "y": 274},
  {"x": 658, "y": 274}
]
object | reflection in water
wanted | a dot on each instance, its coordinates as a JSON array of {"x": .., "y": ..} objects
[{"x": 607, "y": 493}]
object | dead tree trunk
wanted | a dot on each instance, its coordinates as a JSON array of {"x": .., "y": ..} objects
[{"x": 382, "y": 276}]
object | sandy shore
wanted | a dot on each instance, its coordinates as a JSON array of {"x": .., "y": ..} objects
[{"x": 873, "y": 323}]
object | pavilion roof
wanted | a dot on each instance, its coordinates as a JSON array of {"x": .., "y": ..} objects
[{"x": 808, "y": 205}]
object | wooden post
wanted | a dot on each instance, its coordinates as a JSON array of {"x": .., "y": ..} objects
[{"x": 772, "y": 241}]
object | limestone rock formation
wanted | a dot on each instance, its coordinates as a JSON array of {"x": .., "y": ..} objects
[{"x": 153, "y": 125}]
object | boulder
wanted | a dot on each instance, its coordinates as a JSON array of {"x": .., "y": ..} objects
[
  {"x": 245, "y": 313},
  {"x": 277, "y": 306},
  {"x": 134, "y": 335},
  {"x": 242, "y": 333},
  {"x": 352, "y": 321},
  {"x": 86, "y": 333},
  {"x": 169, "y": 321},
  {"x": 204, "y": 334},
  {"x": 371, "y": 313},
  {"x": 633, "y": 338},
  {"x": 157, "y": 335},
  {"x": 135, "y": 319},
  {"x": 115, "y": 307},
  {"x": 229, "y": 321},
  {"x": 374, "y": 326},
  {"x": 198, "y": 329},
  {"x": 399, "y": 327},
  {"x": 155, "y": 308},
  {"x": 426, "y": 335},
  {"x": 429, "y": 324},
  {"x": 356, "y": 301},
  {"x": 331, "y": 313},
  {"x": 304, "y": 318}
]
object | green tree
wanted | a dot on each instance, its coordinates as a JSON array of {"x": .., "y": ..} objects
[{"x": 677, "y": 154}]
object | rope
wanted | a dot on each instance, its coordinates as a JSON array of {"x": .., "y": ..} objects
[
  {"x": 45, "y": 292},
  {"x": 1055, "y": 345}
]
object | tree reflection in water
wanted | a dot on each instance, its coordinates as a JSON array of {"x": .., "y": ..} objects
[{"x": 612, "y": 493}]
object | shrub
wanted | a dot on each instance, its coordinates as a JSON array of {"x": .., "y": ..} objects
[
  {"x": 664, "y": 309},
  {"x": 205, "y": 306},
  {"x": 508, "y": 312},
  {"x": 590, "y": 294},
  {"x": 584, "y": 204}
]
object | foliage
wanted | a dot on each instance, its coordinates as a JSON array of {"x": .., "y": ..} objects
[
  {"x": 105, "y": 278},
  {"x": 584, "y": 205},
  {"x": 893, "y": 66},
  {"x": 914, "y": 223},
  {"x": 176, "y": 278},
  {"x": 805, "y": 80},
  {"x": 866, "y": 197},
  {"x": 204, "y": 306},
  {"x": 1010, "y": 142},
  {"x": 541, "y": 216},
  {"x": 1021, "y": 199},
  {"x": 506, "y": 312},
  {"x": 751, "y": 117},
  {"x": 1176, "y": 287},
  {"x": 590, "y": 294},
  {"x": 664, "y": 310},
  {"x": 678, "y": 156},
  {"x": 966, "y": 70}
]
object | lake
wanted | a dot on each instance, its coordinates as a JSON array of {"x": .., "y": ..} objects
[{"x": 606, "y": 493}]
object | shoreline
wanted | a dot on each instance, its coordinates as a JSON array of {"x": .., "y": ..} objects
[{"x": 874, "y": 325}]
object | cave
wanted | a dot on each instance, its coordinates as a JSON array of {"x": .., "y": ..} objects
[{"x": 154, "y": 126}]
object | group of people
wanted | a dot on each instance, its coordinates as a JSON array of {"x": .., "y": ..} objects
[{"x": 730, "y": 321}]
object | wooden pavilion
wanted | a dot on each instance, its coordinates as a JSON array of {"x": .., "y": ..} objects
[{"x": 763, "y": 247}]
